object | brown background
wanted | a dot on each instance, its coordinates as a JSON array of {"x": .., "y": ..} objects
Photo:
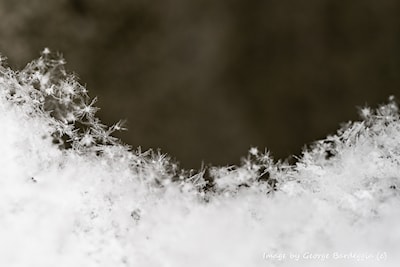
[{"x": 207, "y": 79}]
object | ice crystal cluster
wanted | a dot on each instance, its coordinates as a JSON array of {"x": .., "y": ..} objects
[{"x": 73, "y": 195}]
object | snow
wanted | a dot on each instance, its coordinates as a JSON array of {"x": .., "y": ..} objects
[{"x": 72, "y": 196}]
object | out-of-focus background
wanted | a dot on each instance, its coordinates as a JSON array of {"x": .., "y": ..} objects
[{"x": 205, "y": 80}]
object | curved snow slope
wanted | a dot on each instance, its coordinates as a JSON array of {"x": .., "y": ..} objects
[{"x": 72, "y": 195}]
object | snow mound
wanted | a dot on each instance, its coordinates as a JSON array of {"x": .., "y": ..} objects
[{"x": 73, "y": 195}]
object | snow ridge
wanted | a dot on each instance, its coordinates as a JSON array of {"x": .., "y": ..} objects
[{"x": 71, "y": 194}]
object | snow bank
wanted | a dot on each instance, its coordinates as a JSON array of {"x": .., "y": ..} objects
[{"x": 73, "y": 195}]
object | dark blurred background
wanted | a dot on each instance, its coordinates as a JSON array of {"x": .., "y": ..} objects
[{"x": 205, "y": 80}]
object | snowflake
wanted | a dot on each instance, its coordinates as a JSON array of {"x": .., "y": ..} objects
[
  {"x": 253, "y": 151},
  {"x": 366, "y": 112},
  {"x": 46, "y": 51},
  {"x": 89, "y": 110}
]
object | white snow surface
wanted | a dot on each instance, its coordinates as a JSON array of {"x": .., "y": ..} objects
[{"x": 100, "y": 203}]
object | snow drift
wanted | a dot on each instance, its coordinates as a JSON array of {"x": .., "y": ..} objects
[{"x": 73, "y": 195}]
